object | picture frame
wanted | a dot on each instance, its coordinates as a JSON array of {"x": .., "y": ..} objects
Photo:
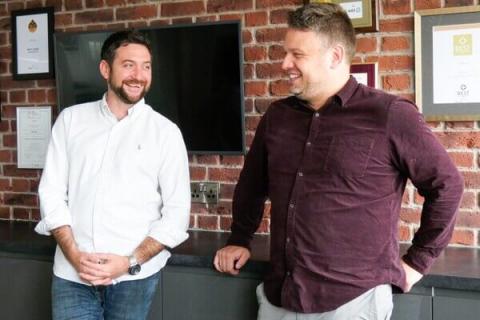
[
  {"x": 366, "y": 73},
  {"x": 363, "y": 13},
  {"x": 32, "y": 43},
  {"x": 33, "y": 135},
  {"x": 447, "y": 63}
]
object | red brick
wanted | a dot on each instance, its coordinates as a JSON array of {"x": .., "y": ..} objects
[
  {"x": 35, "y": 214},
  {"x": 276, "y": 52},
  {"x": 5, "y": 155},
  {"x": 468, "y": 219},
  {"x": 269, "y": 70},
  {"x": 3, "y": 38},
  {"x": 253, "y": 19},
  {"x": 10, "y": 140},
  {"x": 12, "y": 6},
  {"x": 390, "y": 63},
  {"x": 462, "y": 159},
  {"x": 23, "y": 199},
  {"x": 468, "y": 200},
  {"x": 396, "y": 43},
  {"x": 9, "y": 111},
  {"x": 37, "y": 96},
  {"x": 5, "y": 213},
  {"x": 251, "y": 122},
  {"x": 231, "y": 160},
  {"x": 228, "y": 5},
  {"x": 74, "y": 5},
  {"x": 278, "y": 3},
  {"x": 20, "y": 185},
  {"x": 248, "y": 105},
  {"x": 409, "y": 215},
  {"x": 458, "y": 3},
  {"x": 6, "y": 53},
  {"x": 137, "y": 13},
  {"x": 280, "y": 88},
  {"x": 199, "y": 208},
  {"x": 84, "y": 17},
  {"x": 398, "y": 82},
  {"x": 246, "y": 37},
  {"x": 198, "y": 173},
  {"x": 223, "y": 174},
  {"x": 427, "y": 4},
  {"x": 5, "y": 184},
  {"x": 230, "y": 17},
  {"x": 208, "y": 159},
  {"x": 17, "y": 96},
  {"x": 140, "y": 24},
  {"x": 93, "y": 4},
  {"x": 365, "y": 45},
  {"x": 248, "y": 70},
  {"x": 261, "y": 105},
  {"x": 64, "y": 19},
  {"x": 472, "y": 179},
  {"x": 182, "y": 8},
  {"x": 21, "y": 214},
  {"x": 33, "y": 4},
  {"x": 52, "y": 96},
  {"x": 270, "y": 34},
  {"x": 255, "y": 88},
  {"x": 225, "y": 223},
  {"x": 3, "y": 67},
  {"x": 459, "y": 139},
  {"x": 464, "y": 237},
  {"x": 56, "y": 4},
  {"x": 279, "y": 16},
  {"x": 10, "y": 170},
  {"x": 255, "y": 53},
  {"x": 185, "y": 20},
  {"x": 192, "y": 224},
  {"x": 222, "y": 208},
  {"x": 396, "y": 7},
  {"x": 418, "y": 199},
  {"x": 226, "y": 191},
  {"x": 404, "y": 233},
  {"x": 397, "y": 25},
  {"x": 208, "y": 222}
]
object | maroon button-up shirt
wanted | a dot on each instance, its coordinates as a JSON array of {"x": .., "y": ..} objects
[{"x": 335, "y": 178}]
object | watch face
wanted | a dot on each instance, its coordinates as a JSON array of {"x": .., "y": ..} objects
[{"x": 133, "y": 270}]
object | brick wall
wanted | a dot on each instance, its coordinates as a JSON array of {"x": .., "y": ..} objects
[{"x": 263, "y": 29}]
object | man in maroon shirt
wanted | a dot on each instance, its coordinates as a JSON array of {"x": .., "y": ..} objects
[{"x": 334, "y": 160}]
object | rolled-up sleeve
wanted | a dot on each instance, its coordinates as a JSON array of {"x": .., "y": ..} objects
[
  {"x": 174, "y": 181},
  {"x": 53, "y": 188}
]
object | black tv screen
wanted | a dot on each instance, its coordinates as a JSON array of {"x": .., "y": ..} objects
[{"x": 196, "y": 80}]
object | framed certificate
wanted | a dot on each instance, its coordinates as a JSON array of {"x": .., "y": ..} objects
[
  {"x": 447, "y": 63},
  {"x": 363, "y": 13},
  {"x": 365, "y": 73},
  {"x": 33, "y": 135},
  {"x": 32, "y": 45}
]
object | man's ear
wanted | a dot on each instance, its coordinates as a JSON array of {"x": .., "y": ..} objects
[
  {"x": 337, "y": 55},
  {"x": 104, "y": 69}
]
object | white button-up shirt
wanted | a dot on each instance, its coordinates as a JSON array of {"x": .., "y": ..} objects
[{"x": 115, "y": 183}]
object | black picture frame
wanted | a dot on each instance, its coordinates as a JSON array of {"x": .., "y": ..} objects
[{"x": 32, "y": 58}]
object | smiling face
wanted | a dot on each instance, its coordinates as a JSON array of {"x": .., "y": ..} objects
[
  {"x": 129, "y": 76},
  {"x": 309, "y": 63}
]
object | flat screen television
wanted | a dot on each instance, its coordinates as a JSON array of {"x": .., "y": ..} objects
[{"x": 196, "y": 80}]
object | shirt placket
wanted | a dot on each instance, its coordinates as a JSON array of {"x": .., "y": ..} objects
[{"x": 292, "y": 210}]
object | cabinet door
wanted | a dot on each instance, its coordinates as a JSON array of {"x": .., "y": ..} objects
[
  {"x": 454, "y": 304},
  {"x": 416, "y": 305},
  {"x": 26, "y": 285},
  {"x": 204, "y": 294}
]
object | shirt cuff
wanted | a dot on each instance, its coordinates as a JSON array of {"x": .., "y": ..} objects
[
  {"x": 419, "y": 259},
  {"x": 52, "y": 222}
]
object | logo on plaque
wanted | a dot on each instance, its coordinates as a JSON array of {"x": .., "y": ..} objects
[{"x": 462, "y": 45}]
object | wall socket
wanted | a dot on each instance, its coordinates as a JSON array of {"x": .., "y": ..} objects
[{"x": 205, "y": 192}]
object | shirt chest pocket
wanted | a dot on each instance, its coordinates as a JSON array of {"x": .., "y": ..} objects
[{"x": 344, "y": 155}]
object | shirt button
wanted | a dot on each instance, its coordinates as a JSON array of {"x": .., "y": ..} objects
[
  {"x": 317, "y": 114},
  {"x": 288, "y": 273},
  {"x": 288, "y": 240},
  {"x": 309, "y": 143},
  {"x": 291, "y": 205},
  {"x": 300, "y": 174}
]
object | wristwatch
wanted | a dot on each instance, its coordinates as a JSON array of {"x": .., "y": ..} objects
[{"x": 134, "y": 267}]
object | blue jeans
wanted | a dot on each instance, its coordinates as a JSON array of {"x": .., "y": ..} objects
[{"x": 127, "y": 300}]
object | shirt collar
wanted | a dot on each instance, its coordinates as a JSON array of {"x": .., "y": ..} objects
[
  {"x": 131, "y": 112},
  {"x": 346, "y": 92}
]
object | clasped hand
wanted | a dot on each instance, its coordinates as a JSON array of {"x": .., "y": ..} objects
[{"x": 100, "y": 268}]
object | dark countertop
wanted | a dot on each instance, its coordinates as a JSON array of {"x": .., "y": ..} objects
[{"x": 456, "y": 268}]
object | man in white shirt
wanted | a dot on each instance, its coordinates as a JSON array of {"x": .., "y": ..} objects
[{"x": 114, "y": 192}]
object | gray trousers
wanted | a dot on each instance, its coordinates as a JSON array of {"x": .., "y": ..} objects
[{"x": 375, "y": 304}]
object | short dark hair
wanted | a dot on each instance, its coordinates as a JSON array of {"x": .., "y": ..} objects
[
  {"x": 327, "y": 19},
  {"x": 119, "y": 39}
]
